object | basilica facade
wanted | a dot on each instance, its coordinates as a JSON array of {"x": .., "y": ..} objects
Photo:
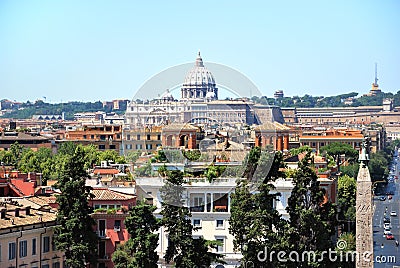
[{"x": 199, "y": 104}]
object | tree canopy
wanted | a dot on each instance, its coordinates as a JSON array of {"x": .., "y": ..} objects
[{"x": 74, "y": 233}]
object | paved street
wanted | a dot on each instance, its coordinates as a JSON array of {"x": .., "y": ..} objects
[{"x": 386, "y": 250}]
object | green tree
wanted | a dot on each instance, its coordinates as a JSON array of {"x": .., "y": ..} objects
[
  {"x": 67, "y": 148},
  {"x": 378, "y": 166},
  {"x": 183, "y": 249},
  {"x": 254, "y": 221},
  {"x": 142, "y": 244},
  {"x": 132, "y": 156},
  {"x": 311, "y": 220},
  {"x": 347, "y": 187},
  {"x": 111, "y": 155},
  {"x": 301, "y": 149},
  {"x": 15, "y": 153},
  {"x": 337, "y": 149},
  {"x": 350, "y": 170},
  {"x": 74, "y": 233}
]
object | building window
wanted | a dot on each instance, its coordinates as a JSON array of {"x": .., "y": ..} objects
[
  {"x": 34, "y": 246},
  {"x": 138, "y": 137},
  {"x": 102, "y": 137},
  {"x": 149, "y": 146},
  {"x": 23, "y": 248},
  {"x": 45, "y": 266},
  {"x": 148, "y": 137},
  {"x": 112, "y": 147},
  {"x": 138, "y": 146},
  {"x": 46, "y": 244},
  {"x": 56, "y": 265},
  {"x": 11, "y": 250},
  {"x": 220, "y": 247},
  {"x": 197, "y": 223},
  {"x": 128, "y": 137},
  {"x": 117, "y": 224},
  {"x": 220, "y": 224},
  {"x": 92, "y": 137},
  {"x": 102, "y": 147},
  {"x": 84, "y": 136},
  {"x": 158, "y": 137}
]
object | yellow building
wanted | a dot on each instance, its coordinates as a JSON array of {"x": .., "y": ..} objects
[{"x": 26, "y": 236}]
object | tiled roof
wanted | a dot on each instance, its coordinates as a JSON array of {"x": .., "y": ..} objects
[
  {"x": 21, "y": 136},
  {"x": 34, "y": 217},
  {"x": 105, "y": 171},
  {"x": 107, "y": 194},
  {"x": 177, "y": 126}
]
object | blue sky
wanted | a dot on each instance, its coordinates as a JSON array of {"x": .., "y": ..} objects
[{"x": 103, "y": 50}]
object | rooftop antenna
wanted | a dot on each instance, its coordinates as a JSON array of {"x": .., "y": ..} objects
[{"x": 376, "y": 74}]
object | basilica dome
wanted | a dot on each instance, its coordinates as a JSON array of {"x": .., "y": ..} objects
[{"x": 198, "y": 82}]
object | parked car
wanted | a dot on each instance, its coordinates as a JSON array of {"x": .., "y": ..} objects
[
  {"x": 382, "y": 198},
  {"x": 393, "y": 214},
  {"x": 386, "y": 232},
  {"x": 386, "y": 219},
  {"x": 386, "y": 225}
]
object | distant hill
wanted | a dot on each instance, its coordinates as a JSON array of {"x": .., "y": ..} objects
[
  {"x": 342, "y": 100},
  {"x": 27, "y": 110}
]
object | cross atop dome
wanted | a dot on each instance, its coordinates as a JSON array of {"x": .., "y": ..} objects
[{"x": 199, "y": 60}]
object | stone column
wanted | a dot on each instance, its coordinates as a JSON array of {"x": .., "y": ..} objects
[
  {"x": 364, "y": 213},
  {"x": 279, "y": 143},
  {"x": 286, "y": 142}
]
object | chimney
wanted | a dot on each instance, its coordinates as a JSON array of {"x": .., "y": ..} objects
[
  {"x": 28, "y": 210},
  {"x": 3, "y": 213},
  {"x": 16, "y": 212}
]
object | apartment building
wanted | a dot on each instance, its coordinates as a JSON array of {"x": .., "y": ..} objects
[
  {"x": 104, "y": 137},
  {"x": 26, "y": 236},
  {"x": 110, "y": 210}
]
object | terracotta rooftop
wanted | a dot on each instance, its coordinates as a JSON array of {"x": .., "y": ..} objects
[
  {"x": 271, "y": 126},
  {"x": 107, "y": 194},
  {"x": 177, "y": 126},
  {"x": 35, "y": 216},
  {"x": 20, "y": 136},
  {"x": 105, "y": 171}
]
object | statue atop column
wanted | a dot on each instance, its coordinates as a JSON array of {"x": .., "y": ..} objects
[{"x": 364, "y": 155}]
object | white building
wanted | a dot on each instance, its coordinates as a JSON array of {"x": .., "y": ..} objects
[
  {"x": 209, "y": 204},
  {"x": 198, "y": 104}
]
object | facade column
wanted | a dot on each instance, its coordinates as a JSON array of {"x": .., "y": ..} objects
[
  {"x": 212, "y": 202},
  {"x": 263, "y": 141},
  {"x": 205, "y": 202},
  {"x": 279, "y": 143},
  {"x": 286, "y": 142},
  {"x": 229, "y": 202}
]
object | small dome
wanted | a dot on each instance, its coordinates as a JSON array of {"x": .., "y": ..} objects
[{"x": 167, "y": 95}]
